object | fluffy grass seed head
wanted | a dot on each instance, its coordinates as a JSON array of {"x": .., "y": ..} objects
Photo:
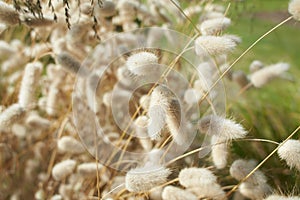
[
  {"x": 10, "y": 115},
  {"x": 145, "y": 178},
  {"x": 175, "y": 193},
  {"x": 194, "y": 177},
  {"x": 214, "y": 26},
  {"x": 223, "y": 128},
  {"x": 255, "y": 66},
  {"x": 35, "y": 121},
  {"x": 63, "y": 169},
  {"x": 29, "y": 82},
  {"x": 213, "y": 45},
  {"x": 71, "y": 64},
  {"x": 219, "y": 152},
  {"x": 290, "y": 152},
  {"x": 294, "y": 9},
  {"x": 88, "y": 169},
  {"x": 212, "y": 191},
  {"x": 263, "y": 76},
  {"x": 254, "y": 191},
  {"x": 68, "y": 144},
  {"x": 8, "y": 15},
  {"x": 140, "y": 63},
  {"x": 241, "y": 168}
]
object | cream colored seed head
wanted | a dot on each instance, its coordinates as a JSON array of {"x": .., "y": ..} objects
[
  {"x": 140, "y": 63},
  {"x": 88, "y": 169},
  {"x": 224, "y": 128},
  {"x": 68, "y": 144},
  {"x": 194, "y": 177},
  {"x": 214, "y": 26},
  {"x": 145, "y": 178},
  {"x": 29, "y": 83},
  {"x": 175, "y": 193},
  {"x": 211, "y": 191},
  {"x": 294, "y": 9},
  {"x": 10, "y": 115},
  {"x": 213, "y": 45},
  {"x": 290, "y": 152},
  {"x": 263, "y": 76},
  {"x": 36, "y": 121},
  {"x": 255, "y": 66},
  {"x": 254, "y": 191},
  {"x": 219, "y": 152},
  {"x": 63, "y": 169}
]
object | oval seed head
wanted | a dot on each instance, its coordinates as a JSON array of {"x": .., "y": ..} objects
[
  {"x": 68, "y": 144},
  {"x": 8, "y": 15},
  {"x": 10, "y": 115},
  {"x": 51, "y": 102},
  {"x": 294, "y": 9},
  {"x": 145, "y": 178},
  {"x": 266, "y": 74},
  {"x": 29, "y": 83},
  {"x": 213, "y": 45},
  {"x": 219, "y": 152},
  {"x": 194, "y": 177},
  {"x": 140, "y": 63},
  {"x": 175, "y": 193},
  {"x": 63, "y": 169},
  {"x": 192, "y": 96},
  {"x": 88, "y": 169},
  {"x": 35, "y": 22},
  {"x": 71, "y": 64},
  {"x": 254, "y": 191},
  {"x": 255, "y": 66},
  {"x": 214, "y": 26},
  {"x": 224, "y": 128},
  {"x": 36, "y": 121},
  {"x": 240, "y": 78},
  {"x": 290, "y": 152},
  {"x": 211, "y": 191},
  {"x": 241, "y": 168}
]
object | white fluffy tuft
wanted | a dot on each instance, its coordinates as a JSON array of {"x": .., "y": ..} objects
[
  {"x": 63, "y": 169},
  {"x": 175, "y": 193},
  {"x": 294, "y": 9},
  {"x": 290, "y": 152},
  {"x": 213, "y": 45},
  {"x": 224, "y": 128},
  {"x": 261, "y": 77},
  {"x": 194, "y": 177},
  {"x": 68, "y": 144},
  {"x": 140, "y": 63},
  {"x": 145, "y": 178},
  {"x": 214, "y": 26},
  {"x": 29, "y": 84}
]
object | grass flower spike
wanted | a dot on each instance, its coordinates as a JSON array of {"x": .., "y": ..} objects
[
  {"x": 145, "y": 178},
  {"x": 290, "y": 152},
  {"x": 294, "y": 9}
]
